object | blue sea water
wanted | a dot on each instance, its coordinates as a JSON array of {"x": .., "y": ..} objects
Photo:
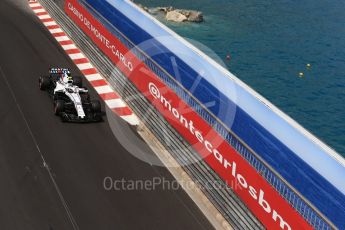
[{"x": 270, "y": 42}]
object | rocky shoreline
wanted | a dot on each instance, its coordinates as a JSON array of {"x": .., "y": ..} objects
[
  {"x": 176, "y": 15},
  {"x": 182, "y": 15}
]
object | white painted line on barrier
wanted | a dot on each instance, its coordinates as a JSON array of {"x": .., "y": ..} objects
[
  {"x": 115, "y": 103},
  {"x": 93, "y": 77},
  {"x": 34, "y": 4},
  {"x": 104, "y": 89},
  {"x": 52, "y": 23},
  {"x": 62, "y": 38},
  {"x": 53, "y": 31},
  {"x": 84, "y": 66},
  {"x": 39, "y": 11},
  {"x": 131, "y": 119},
  {"x": 76, "y": 56},
  {"x": 69, "y": 47},
  {"x": 44, "y": 16}
]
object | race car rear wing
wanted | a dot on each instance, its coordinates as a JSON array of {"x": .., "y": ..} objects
[{"x": 59, "y": 71}]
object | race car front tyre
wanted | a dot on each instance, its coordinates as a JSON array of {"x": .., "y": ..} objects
[
  {"x": 44, "y": 82},
  {"x": 59, "y": 107},
  {"x": 78, "y": 81},
  {"x": 96, "y": 106}
]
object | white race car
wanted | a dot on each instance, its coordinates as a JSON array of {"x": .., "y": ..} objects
[{"x": 71, "y": 100}]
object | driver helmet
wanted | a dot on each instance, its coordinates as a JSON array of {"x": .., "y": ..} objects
[{"x": 67, "y": 79}]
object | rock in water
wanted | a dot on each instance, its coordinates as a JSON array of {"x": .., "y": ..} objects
[
  {"x": 165, "y": 9},
  {"x": 192, "y": 15},
  {"x": 175, "y": 16},
  {"x": 195, "y": 16}
]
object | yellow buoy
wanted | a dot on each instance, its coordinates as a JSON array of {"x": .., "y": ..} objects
[
  {"x": 301, "y": 74},
  {"x": 308, "y": 66}
]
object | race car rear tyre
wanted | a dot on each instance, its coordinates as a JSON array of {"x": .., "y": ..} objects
[
  {"x": 59, "y": 107},
  {"x": 44, "y": 82},
  {"x": 64, "y": 117},
  {"x": 96, "y": 106},
  {"x": 78, "y": 81}
]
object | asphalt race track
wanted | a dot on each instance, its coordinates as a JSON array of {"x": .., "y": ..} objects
[{"x": 70, "y": 195}]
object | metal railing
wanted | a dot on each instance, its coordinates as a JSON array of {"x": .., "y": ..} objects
[
  {"x": 293, "y": 197},
  {"x": 221, "y": 196}
]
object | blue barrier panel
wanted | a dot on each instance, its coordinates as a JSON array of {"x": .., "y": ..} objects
[{"x": 259, "y": 126}]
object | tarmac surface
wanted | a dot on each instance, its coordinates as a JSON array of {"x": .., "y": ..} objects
[{"x": 52, "y": 173}]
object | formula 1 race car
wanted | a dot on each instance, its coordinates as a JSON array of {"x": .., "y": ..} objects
[{"x": 71, "y": 101}]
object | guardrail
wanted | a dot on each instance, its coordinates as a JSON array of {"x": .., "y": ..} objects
[
  {"x": 225, "y": 200},
  {"x": 295, "y": 199}
]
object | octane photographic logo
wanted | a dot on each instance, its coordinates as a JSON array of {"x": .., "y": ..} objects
[{"x": 163, "y": 98}]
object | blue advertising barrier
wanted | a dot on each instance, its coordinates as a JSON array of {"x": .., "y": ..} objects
[{"x": 307, "y": 164}]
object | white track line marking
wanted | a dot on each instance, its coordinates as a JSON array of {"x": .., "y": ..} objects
[
  {"x": 52, "y": 23},
  {"x": 69, "y": 47},
  {"x": 131, "y": 119},
  {"x": 34, "y": 4},
  {"x": 115, "y": 103},
  {"x": 62, "y": 38},
  {"x": 44, "y": 16},
  {"x": 58, "y": 30},
  {"x": 104, "y": 89},
  {"x": 76, "y": 56},
  {"x": 39, "y": 11},
  {"x": 94, "y": 77},
  {"x": 85, "y": 66}
]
